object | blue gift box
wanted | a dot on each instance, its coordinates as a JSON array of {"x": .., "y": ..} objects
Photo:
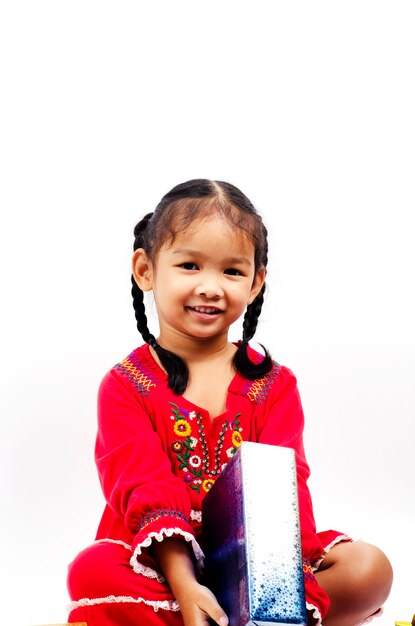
[{"x": 251, "y": 538}]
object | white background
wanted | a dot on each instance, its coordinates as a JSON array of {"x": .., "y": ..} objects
[{"x": 309, "y": 108}]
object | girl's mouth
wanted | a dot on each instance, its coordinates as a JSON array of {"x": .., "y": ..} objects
[{"x": 204, "y": 310}]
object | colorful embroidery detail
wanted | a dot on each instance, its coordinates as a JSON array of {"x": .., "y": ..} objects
[
  {"x": 257, "y": 390},
  {"x": 189, "y": 462},
  {"x": 133, "y": 369},
  {"x": 182, "y": 428},
  {"x": 236, "y": 436},
  {"x": 308, "y": 571},
  {"x": 152, "y": 516},
  {"x": 197, "y": 470},
  {"x": 207, "y": 484},
  {"x": 217, "y": 468}
]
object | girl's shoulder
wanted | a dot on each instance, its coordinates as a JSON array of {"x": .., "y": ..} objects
[
  {"x": 137, "y": 371},
  {"x": 261, "y": 389}
]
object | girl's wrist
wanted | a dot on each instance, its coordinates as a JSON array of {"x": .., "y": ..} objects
[{"x": 176, "y": 562}]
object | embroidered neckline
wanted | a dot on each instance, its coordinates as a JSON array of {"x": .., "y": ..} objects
[
  {"x": 141, "y": 368},
  {"x": 218, "y": 447}
]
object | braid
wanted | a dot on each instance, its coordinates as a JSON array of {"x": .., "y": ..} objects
[
  {"x": 140, "y": 314},
  {"x": 252, "y": 314},
  {"x": 176, "y": 368},
  {"x": 178, "y": 373},
  {"x": 241, "y": 360},
  {"x": 136, "y": 292}
]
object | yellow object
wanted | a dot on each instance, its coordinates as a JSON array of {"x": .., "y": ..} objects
[{"x": 406, "y": 623}]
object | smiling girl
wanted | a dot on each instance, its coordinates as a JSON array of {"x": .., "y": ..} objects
[{"x": 175, "y": 411}]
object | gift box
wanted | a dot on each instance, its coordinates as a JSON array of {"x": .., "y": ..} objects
[{"x": 251, "y": 538}]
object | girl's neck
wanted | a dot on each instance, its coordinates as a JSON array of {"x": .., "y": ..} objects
[
  {"x": 211, "y": 371},
  {"x": 196, "y": 351}
]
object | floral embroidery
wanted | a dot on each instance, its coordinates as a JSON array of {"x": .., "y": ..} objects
[
  {"x": 196, "y": 515},
  {"x": 195, "y": 461},
  {"x": 197, "y": 470},
  {"x": 188, "y": 461},
  {"x": 236, "y": 436},
  {"x": 236, "y": 439},
  {"x": 207, "y": 484},
  {"x": 182, "y": 428}
]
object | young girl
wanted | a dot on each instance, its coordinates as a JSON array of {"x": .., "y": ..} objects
[{"x": 175, "y": 411}]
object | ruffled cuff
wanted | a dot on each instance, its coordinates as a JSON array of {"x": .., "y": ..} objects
[
  {"x": 329, "y": 538},
  {"x": 157, "y": 525}
]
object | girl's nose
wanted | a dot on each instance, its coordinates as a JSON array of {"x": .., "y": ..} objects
[{"x": 210, "y": 289}]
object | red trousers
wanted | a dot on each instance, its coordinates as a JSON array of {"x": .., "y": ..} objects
[{"x": 105, "y": 591}]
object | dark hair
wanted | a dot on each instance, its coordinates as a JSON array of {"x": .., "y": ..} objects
[{"x": 174, "y": 213}]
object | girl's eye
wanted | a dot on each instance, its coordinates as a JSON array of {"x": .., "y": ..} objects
[
  {"x": 232, "y": 271},
  {"x": 189, "y": 266}
]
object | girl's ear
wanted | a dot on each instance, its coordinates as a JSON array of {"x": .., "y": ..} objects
[
  {"x": 257, "y": 284},
  {"x": 142, "y": 270}
]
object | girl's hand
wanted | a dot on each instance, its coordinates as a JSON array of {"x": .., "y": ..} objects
[{"x": 198, "y": 604}]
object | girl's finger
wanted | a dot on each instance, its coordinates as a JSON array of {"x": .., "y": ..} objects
[{"x": 216, "y": 613}]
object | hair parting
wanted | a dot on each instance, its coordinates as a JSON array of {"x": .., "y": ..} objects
[{"x": 174, "y": 213}]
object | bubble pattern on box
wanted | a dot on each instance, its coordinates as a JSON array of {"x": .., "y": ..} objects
[{"x": 276, "y": 582}]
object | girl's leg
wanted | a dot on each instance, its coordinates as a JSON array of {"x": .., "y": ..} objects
[
  {"x": 357, "y": 577},
  {"x": 107, "y": 592}
]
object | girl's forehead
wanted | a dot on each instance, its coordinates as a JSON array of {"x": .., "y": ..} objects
[{"x": 212, "y": 232}]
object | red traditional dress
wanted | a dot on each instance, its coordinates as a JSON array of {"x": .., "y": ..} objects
[{"x": 157, "y": 456}]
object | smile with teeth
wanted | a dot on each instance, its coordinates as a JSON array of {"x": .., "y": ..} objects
[{"x": 207, "y": 310}]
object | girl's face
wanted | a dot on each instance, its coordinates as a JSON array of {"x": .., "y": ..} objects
[{"x": 202, "y": 282}]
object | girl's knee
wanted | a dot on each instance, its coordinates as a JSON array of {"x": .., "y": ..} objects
[
  {"x": 375, "y": 570},
  {"x": 369, "y": 572},
  {"x": 357, "y": 577},
  {"x": 93, "y": 573}
]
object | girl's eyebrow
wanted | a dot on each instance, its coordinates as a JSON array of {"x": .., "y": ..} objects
[{"x": 228, "y": 261}]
